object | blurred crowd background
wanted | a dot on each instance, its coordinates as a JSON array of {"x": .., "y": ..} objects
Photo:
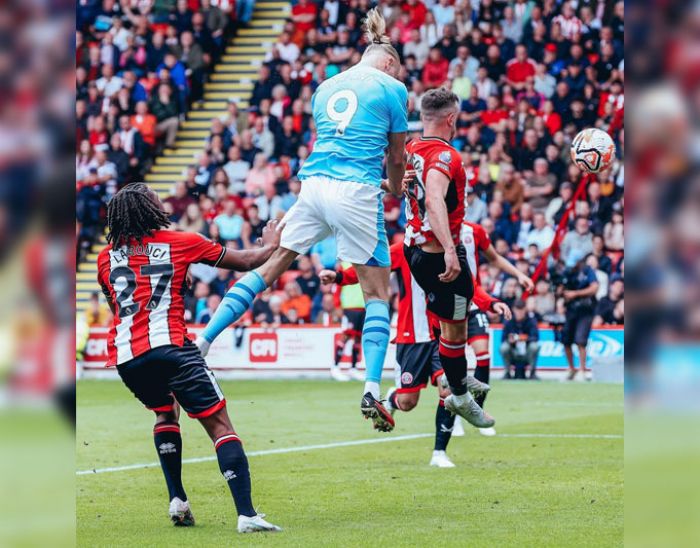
[{"x": 529, "y": 75}]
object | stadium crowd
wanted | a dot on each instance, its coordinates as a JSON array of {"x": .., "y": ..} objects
[{"x": 529, "y": 74}]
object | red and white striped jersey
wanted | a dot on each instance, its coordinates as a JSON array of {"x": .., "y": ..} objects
[
  {"x": 425, "y": 154},
  {"x": 474, "y": 239},
  {"x": 413, "y": 325},
  {"x": 145, "y": 281}
]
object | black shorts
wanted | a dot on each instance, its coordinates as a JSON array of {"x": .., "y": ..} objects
[
  {"x": 419, "y": 364},
  {"x": 448, "y": 301},
  {"x": 577, "y": 327},
  {"x": 168, "y": 373},
  {"x": 353, "y": 321},
  {"x": 477, "y": 325}
]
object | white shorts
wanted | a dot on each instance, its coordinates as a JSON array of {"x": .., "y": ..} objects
[{"x": 352, "y": 212}]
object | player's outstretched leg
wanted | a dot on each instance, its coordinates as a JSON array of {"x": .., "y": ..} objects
[
  {"x": 444, "y": 423},
  {"x": 375, "y": 340},
  {"x": 239, "y": 298},
  {"x": 168, "y": 442},
  {"x": 233, "y": 464},
  {"x": 454, "y": 363}
]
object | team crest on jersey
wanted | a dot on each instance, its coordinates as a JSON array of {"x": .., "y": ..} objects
[
  {"x": 445, "y": 156},
  {"x": 468, "y": 239},
  {"x": 406, "y": 378}
]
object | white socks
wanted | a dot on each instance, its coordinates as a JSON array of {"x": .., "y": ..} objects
[{"x": 372, "y": 388}]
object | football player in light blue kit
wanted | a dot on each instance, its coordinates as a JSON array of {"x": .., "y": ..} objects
[{"x": 360, "y": 117}]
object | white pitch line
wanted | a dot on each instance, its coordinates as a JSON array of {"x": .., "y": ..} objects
[
  {"x": 569, "y": 436},
  {"x": 263, "y": 452},
  {"x": 334, "y": 445}
]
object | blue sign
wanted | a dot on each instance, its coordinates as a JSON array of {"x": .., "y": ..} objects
[{"x": 603, "y": 343}]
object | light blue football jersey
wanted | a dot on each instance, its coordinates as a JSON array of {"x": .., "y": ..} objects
[{"x": 354, "y": 112}]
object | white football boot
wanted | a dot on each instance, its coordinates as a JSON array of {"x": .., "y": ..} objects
[
  {"x": 180, "y": 513},
  {"x": 256, "y": 524},
  {"x": 441, "y": 460},
  {"x": 468, "y": 409},
  {"x": 338, "y": 375},
  {"x": 458, "y": 428},
  {"x": 357, "y": 375}
]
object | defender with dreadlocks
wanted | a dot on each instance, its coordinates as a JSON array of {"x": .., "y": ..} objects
[{"x": 143, "y": 274}]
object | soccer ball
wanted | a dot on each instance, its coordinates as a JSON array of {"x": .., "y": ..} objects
[{"x": 592, "y": 150}]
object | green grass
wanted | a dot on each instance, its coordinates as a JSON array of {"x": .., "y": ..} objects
[{"x": 505, "y": 491}]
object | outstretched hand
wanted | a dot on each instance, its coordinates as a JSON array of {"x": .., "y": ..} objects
[
  {"x": 271, "y": 234},
  {"x": 327, "y": 276},
  {"x": 503, "y": 309},
  {"x": 526, "y": 282}
]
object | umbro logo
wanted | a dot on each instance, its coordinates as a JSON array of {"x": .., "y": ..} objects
[
  {"x": 166, "y": 448},
  {"x": 229, "y": 475},
  {"x": 444, "y": 429}
]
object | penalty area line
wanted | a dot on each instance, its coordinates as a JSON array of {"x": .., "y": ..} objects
[{"x": 301, "y": 448}]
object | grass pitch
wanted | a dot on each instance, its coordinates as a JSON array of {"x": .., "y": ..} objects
[{"x": 553, "y": 476}]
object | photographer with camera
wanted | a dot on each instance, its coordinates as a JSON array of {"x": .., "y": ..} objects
[
  {"x": 520, "y": 343},
  {"x": 578, "y": 287}
]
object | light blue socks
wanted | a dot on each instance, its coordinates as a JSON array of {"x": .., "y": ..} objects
[
  {"x": 235, "y": 303},
  {"x": 375, "y": 341}
]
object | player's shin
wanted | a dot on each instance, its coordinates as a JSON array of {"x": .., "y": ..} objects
[
  {"x": 233, "y": 464},
  {"x": 482, "y": 373},
  {"x": 235, "y": 303},
  {"x": 454, "y": 362},
  {"x": 444, "y": 422},
  {"x": 168, "y": 441},
  {"x": 375, "y": 340}
]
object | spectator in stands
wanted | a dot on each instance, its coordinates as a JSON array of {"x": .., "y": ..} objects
[
  {"x": 614, "y": 232},
  {"x": 192, "y": 220},
  {"x": 435, "y": 69},
  {"x": 541, "y": 234},
  {"x": 276, "y": 316},
  {"x": 579, "y": 239},
  {"x": 180, "y": 200},
  {"x": 476, "y": 207},
  {"x": 520, "y": 342},
  {"x": 297, "y": 301},
  {"x": 212, "y": 303},
  {"x": 604, "y": 262},
  {"x": 540, "y": 186},
  {"x": 543, "y": 299},
  {"x": 230, "y": 222},
  {"x": 329, "y": 314},
  {"x": 97, "y": 313},
  {"x": 512, "y": 188},
  {"x": 308, "y": 280},
  {"x": 610, "y": 309}
]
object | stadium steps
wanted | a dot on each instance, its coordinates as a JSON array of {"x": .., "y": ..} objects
[{"x": 233, "y": 78}]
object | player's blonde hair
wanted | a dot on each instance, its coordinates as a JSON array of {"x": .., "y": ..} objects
[{"x": 375, "y": 32}]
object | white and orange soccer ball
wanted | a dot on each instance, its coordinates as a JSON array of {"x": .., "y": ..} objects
[{"x": 592, "y": 150}]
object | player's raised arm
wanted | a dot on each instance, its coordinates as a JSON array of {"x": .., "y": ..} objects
[
  {"x": 244, "y": 260},
  {"x": 499, "y": 261}
]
